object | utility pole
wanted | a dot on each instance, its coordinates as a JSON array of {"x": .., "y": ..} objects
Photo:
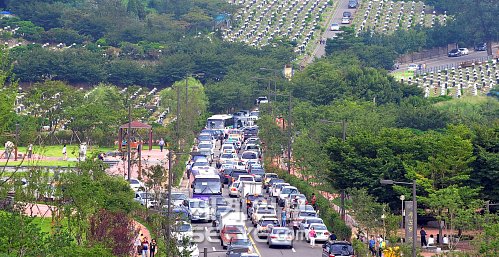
[
  {"x": 170, "y": 181},
  {"x": 128, "y": 143},
  {"x": 289, "y": 134},
  {"x": 17, "y": 141},
  {"x": 177, "y": 123},
  {"x": 186, "y": 93},
  {"x": 344, "y": 138}
]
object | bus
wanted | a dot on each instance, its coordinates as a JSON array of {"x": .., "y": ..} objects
[
  {"x": 205, "y": 186},
  {"x": 220, "y": 122}
]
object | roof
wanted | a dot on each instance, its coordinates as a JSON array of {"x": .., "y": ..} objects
[
  {"x": 5, "y": 12},
  {"x": 136, "y": 125}
]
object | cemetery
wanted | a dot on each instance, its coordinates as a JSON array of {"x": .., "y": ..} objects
[
  {"x": 261, "y": 22},
  {"x": 384, "y": 16}
]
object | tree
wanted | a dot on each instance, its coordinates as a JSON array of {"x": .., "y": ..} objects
[
  {"x": 366, "y": 210},
  {"x": 116, "y": 230},
  {"x": 489, "y": 241}
]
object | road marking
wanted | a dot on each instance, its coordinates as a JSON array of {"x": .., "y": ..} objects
[
  {"x": 293, "y": 249},
  {"x": 214, "y": 249},
  {"x": 254, "y": 245},
  {"x": 206, "y": 229}
]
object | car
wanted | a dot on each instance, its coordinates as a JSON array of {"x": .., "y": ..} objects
[
  {"x": 217, "y": 200},
  {"x": 481, "y": 47},
  {"x": 347, "y": 15},
  {"x": 253, "y": 140},
  {"x": 262, "y": 100},
  {"x": 182, "y": 230},
  {"x": 345, "y": 20},
  {"x": 208, "y": 146},
  {"x": 272, "y": 182},
  {"x": 335, "y": 27},
  {"x": 267, "y": 177},
  {"x": 306, "y": 222},
  {"x": 321, "y": 232},
  {"x": 179, "y": 213},
  {"x": 280, "y": 236},
  {"x": 177, "y": 199},
  {"x": 225, "y": 175},
  {"x": 146, "y": 199},
  {"x": 454, "y": 53},
  {"x": 228, "y": 148},
  {"x": 262, "y": 210},
  {"x": 249, "y": 155},
  {"x": 254, "y": 205},
  {"x": 199, "y": 210},
  {"x": 264, "y": 226},
  {"x": 230, "y": 231},
  {"x": 295, "y": 200},
  {"x": 285, "y": 192},
  {"x": 203, "y": 137},
  {"x": 337, "y": 249},
  {"x": 228, "y": 157},
  {"x": 241, "y": 241},
  {"x": 352, "y": 4},
  {"x": 233, "y": 189},
  {"x": 412, "y": 67},
  {"x": 220, "y": 212},
  {"x": 246, "y": 178},
  {"x": 464, "y": 50},
  {"x": 136, "y": 184},
  {"x": 305, "y": 215},
  {"x": 250, "y": 132},
  {"x": 276, "y": 189}
]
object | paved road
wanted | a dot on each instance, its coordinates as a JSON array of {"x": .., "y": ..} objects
[
  {"x": 207, "y": 237},
  {"x": 444, "y": 61},
  {"x": 342, "y": 6}
]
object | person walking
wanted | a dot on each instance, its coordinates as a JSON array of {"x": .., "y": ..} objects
[
  {"x": 154, "y": 248},
  {"x": 138, "y": 245},
  {"x": 283, "y": 216},
  {"x": 296, "y": 225},
  {"x": 145, "y": 247},
  {"x": 314, "y": 201},
  {"x": 372, "y": 246},
  {"x": 422, "y": 233},
  {"x": 381, "y": 245},
  {"x": 161, "y": 144},
  {"x": 311, "y": 235},
  {"x": 30, "y": 151},
  {"x": 64, "y": 153}
]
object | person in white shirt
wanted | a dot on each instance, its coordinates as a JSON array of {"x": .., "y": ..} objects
[
  {"x": 431, "y": 240},
  {"x": 445, "y": 240},
  {"x": 64, "y": 153}
]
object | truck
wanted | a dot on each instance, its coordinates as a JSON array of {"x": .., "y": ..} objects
[{"x": 249, "y": 188}]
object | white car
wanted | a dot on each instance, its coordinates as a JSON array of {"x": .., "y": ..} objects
[
  {"x": 306, "y": 222},
  {"x": 264, "y": 226},
  {"x": 228, "y": 148},
  {"x": 136, "y": 184},
  {"x": 345, "y": 20},
  {"x": 207, "y": 146},
  {"x": 322, "y": 234},
  {"x": 276, "y": 189},
  {"x": 412, "y": 67},
  {"x": 198, "y": 210},
  {"x": 182, "y": 230},
  {"x": 335, "y": 27},
  {"x": 233, "y": 189},
  {"x": 285, "y": 192},
  {"x": 249, "y": 156},
  {"x": 145, "y": 199},
  {"x": 464, "y": 51},
  {"x": 228, "y": 157},
  {"x": 261, "y": 211},
  {"x": 246, "y": 178}
]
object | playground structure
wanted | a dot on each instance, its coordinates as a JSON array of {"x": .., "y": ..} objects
[{"x": 131, "y": 132}]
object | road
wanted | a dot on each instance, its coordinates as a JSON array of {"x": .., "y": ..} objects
[
  {"x": 320, "y": 49},
  {"x": 443, "y": 62},
  {"x": 206, "y": 237}
]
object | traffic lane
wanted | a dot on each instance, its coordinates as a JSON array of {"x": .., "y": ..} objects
[
  {"x": 337, "y": 16},
  {"x": 444, "y": 60}
]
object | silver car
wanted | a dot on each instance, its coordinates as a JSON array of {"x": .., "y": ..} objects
[{"x": 280, "y": 236}]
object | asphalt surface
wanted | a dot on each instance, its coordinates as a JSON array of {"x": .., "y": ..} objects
[
  {"x": 336, "y": 18},
  {"x": 206, "y": 237},
  {"x": 443, "y": 62}
]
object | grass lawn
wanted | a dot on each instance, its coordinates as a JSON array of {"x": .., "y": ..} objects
[
  {"x": 56, "y": 150},
  {"x": 402, "y": 74},
  {"x": 45, "y": 224},
  {"x": 40, "y": 163}
]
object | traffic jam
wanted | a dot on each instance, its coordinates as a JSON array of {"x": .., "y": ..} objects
[{"x": 233, "y": 207}]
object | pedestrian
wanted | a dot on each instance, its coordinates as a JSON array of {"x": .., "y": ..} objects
[
  {"x": 445, "y": 240},
  {"x": 431, "y": 240},
  {"x": 138, "y": 245},
  {"x": 161, "y": 144},
  {"x": 372, "y": 246},
  {"x": 154, "y": 248},
  {"x": 314, "y": 200},
  {"x": 422, "y": 232},
  {"x": 311, "y": 236},
  {"x": 283, "y": 216},
  {"x": 64, "y": 153},
  {"x": 296, "y": 225},
  {"x": 333, "y": 236},
  {"x": 30, "y": 150},
  {"x": 381, "y": 245},
  {"x": 145, "y": 247}
]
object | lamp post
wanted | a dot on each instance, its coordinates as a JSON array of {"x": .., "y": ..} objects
[
  {"x": 414, "y": 210},
  {"x": 402, "y": 198}
]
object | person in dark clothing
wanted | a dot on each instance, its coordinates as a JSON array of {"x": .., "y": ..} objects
[
  {"x": 333, "y": 236},
  {"x": 153, "y": 245},
  {"x": 422, "y": 232}
]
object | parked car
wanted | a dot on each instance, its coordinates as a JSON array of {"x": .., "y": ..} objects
[
  {"x": 146, "y": 199},
  {"x": 464, "y": 50},
  {"x": 352, "y": 4},
  {"x": 261, "y": 100},
  {"x": 335, "y": 27},
  {"x": 136, "y": 184},
  {"x": 321, "y": 232},
  {"x": 345, "y": 20},
  {"x": 280, "y": 236},
  {"x": 347, "y": 15},
  {"x": 337, "y": 249},
  {"x": 412, "y": 67},
  {"x": 481, "y": 47},
  {"x": 454, "y": 53}
]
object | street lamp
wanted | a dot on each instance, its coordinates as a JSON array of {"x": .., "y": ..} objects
[
  {"x": 402, "y": 198},
  {"x": 414, "y": 210}
]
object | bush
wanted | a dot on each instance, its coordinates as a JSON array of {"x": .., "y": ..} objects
[{"x": 328, "y": 214}]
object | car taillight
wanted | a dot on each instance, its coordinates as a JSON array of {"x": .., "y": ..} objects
[
  {"x": 233, "y": 189},
  {"x": 273, "y": 237},
  {"x": 327, "y": 233},
  {"x": 331, "y": 255}
]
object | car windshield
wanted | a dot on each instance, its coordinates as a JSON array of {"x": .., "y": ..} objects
[
  {"x": 179, "y": 197},
  {"x": 228, "y": 156},
  {"x": 246, "y": 178},
  {"x": 241, "y": 242},
  {"x": 341, "y": 249},
  {"x": 307, "y": 214},
  {"x": 183, "y": 227},
  {"x": 265, "y": 211},
  {"x": 197, "y": 204},
  {"x": 249, "y": 155},
  {"x": 205, "y": 146},
  {"x": 281, "y": 231},
  {"x": 289, "y": 190},
  {"x": 207, "y": 186},
  {"x": 310, "y": 221},
  {"x": 204, "y": 138},
  {"x": 265, "y": 223},
  {"x": 319, "y": 227},
  {"x": 201, "y": 163}
]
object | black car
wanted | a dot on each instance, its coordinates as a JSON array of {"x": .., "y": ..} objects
[
  {"x": 250, "y": 132},
  {"x": 454, "y": 53},
  {"x": 481, "y": 47},
  {"x": 234, "y": 175},
  {"x": 337, "y": 248},
  {"x": 258, "y": 173},
  {"x": 352, "y": 4},
  {"x": 273, "y": 181},
  {"x": 225, "y": 175},
  {"x": 347, "y": 15}
]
